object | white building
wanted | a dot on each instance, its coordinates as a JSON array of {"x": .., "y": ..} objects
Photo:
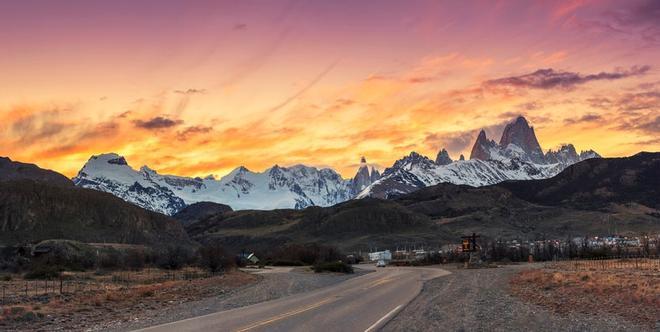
[{"x": 380, "y": 255}]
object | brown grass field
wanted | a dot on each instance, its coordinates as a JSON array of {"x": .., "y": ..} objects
[
  {"x": 89, "y": 298},
  {"x": 633, "y": 294}
]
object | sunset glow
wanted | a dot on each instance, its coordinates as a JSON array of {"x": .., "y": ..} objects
[{"x": 201, "y": 87}]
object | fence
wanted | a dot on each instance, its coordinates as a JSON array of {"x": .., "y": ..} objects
[
  {"x": 608, "y": 263},
  {"x": 89, "y": 283}
]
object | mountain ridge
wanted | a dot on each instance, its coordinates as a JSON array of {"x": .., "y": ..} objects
[{"x": 518, "y": 156}]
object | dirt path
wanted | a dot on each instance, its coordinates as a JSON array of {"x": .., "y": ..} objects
[{"x": 479, "y": 300}]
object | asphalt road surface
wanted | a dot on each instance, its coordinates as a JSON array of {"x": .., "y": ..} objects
[{"x": 364, "y": 303}]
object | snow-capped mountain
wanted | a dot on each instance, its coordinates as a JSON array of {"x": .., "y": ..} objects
[
  {"x": 518, "y": 156},
  {"x": 277, "y": 187}
]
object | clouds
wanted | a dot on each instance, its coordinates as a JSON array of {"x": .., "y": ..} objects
[
  {"x": 453, "y": 142},
  {"x": 157, "y": 123},
  {"x": 587, "y": 118},
  {"x": 646, "y": 125},
  {"x": 190, "y": 91},
  {"x": 547, "y": 79},
  {"x": 191, "y": 131}
]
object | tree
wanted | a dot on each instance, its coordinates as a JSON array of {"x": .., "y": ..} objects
[{"x": 214, "y": 258}]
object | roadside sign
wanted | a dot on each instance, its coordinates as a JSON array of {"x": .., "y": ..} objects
[{"x": 469, "y": 243}]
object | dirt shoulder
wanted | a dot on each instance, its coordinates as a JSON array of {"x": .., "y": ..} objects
[{"x": 481, "y": 300}]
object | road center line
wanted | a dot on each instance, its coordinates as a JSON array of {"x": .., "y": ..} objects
[
  {"x": 378, "y": 282},
  {"x": 284, "y": 315},
  {"x": 372, "y": 327}
]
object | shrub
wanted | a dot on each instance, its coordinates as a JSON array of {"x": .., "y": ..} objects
[
  {"x": 337, "y": 266},
  {"x": 306, "y": 254},
  {"x": 5, "y": 277},
  {"x": 135, "y": 259},
  {"x": 214, "y": 258},
  {"x": 43, "y": 272},
  {"x": 110, "y": 260},
  {"x": 174, "y": 257}
]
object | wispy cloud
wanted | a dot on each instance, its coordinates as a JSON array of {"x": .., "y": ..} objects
[
  {"x": 587, "y": 118},
  {"x": 158, "y": 122},
  {"x": 190, "y": 91},
  {"x": 554, "y": 79},
  {"x": 308, "y": 86}
]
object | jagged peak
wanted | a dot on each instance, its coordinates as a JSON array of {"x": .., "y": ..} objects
[
  {"x": 482, "y": 136},
  {"x": 147, "y": 169},
  {"x": 108, "y": 157},
  {"x": 443, "y": 158},
  {"x": 521, "y": 119},
  {"x": 480, "y": 149},
  {"x": 242, "y": 170}
]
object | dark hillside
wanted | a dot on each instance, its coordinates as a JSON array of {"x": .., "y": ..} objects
[{"x": 32, "y": 211}]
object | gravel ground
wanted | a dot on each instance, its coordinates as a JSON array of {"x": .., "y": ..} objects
[
  {"x": 479, "y": 300},
  {"x": 270, "y": 287}
]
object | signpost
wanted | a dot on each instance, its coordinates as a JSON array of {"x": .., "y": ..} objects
[{"x": 469, "y": 245}]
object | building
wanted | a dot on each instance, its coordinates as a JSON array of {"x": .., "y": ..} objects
[{"x": 380, "y": 255}]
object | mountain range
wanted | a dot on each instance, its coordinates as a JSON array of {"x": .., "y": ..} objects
[
  {"x": 518, "y": 156},
  {"x": 598, "y": 196}
]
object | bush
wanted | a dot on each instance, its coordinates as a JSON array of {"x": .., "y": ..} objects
[
  {"x": 68, "y": 254},
  {"x": 135, "y": 259},
  {"x": 337, "y": 266},
  {"x": 110, "y": 260},
  {"x": 214, "y": 258},
  {"x": 5, "y": 277},
  {"x": 174, "y": 257},
  {"x": 43, "y": 272},
  {"x": 306, "y": 254}
]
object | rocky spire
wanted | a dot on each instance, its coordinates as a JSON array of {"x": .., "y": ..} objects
[
  {"x": 443, "y": 158},
  {"x": 482, "y": 146},
  {"x": 462, "y": 157},
  {"x": 362, "y": 178},
  {"x": 522, "y": 135}
]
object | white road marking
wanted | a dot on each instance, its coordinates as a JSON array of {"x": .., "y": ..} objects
[{"x": 372, "y": 327}]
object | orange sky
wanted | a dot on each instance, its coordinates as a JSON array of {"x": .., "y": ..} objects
[{"x": 201, "y": 87}]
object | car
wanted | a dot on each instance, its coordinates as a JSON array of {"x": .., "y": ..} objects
[{"x": 381, "y": 263}]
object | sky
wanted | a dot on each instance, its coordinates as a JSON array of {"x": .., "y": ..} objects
[{"x": 201, "y": 87}]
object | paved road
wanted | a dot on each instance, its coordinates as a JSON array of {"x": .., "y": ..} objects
[{"x": 358, "y": 304}]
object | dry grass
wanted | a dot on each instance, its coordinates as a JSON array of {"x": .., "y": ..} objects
[
  {"x": 631, "y": 294},
  {"x": 109, "y": 297}
]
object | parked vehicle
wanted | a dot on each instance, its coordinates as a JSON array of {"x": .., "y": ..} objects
[{"x": 381, "y": 263}]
